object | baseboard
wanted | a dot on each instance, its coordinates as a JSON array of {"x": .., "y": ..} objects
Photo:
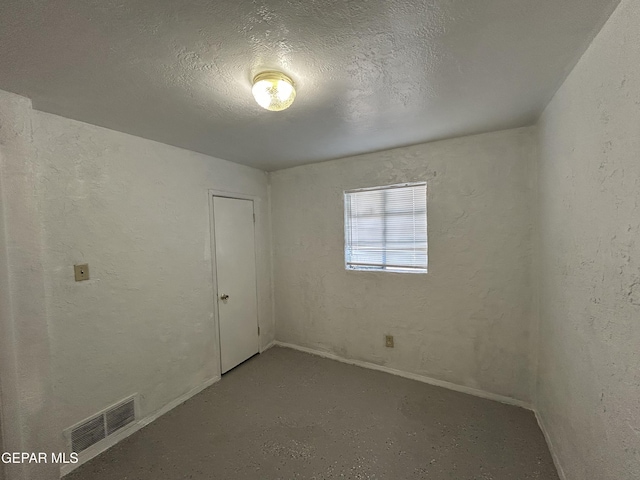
[
  {"x": 412, "y": 376},
  {"x": 272, "y": 343},
  {"x": 110, "y": 441},
  {"x": 552, "y": 450},
  {"x": 103, "y": 446}
]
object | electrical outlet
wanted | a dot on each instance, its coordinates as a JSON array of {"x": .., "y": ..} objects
[
  {"x": 388, "y": 341},
  {"x": 81, "y": 271}
]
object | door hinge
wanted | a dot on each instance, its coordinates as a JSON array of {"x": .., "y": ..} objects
[
  {"x": 254, "y": 218},
  {"x": 258, "y": 331}
]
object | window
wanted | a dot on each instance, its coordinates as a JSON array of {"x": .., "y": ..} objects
[{"x": 386, "y": 228}]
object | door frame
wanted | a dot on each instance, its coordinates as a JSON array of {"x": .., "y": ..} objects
[{"x": 211, "y": 193}]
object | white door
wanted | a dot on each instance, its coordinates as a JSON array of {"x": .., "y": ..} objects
[{"x": 236, "y": 279}]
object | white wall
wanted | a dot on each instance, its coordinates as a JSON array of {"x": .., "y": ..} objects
[
  {"x": 589, "y": 223},
  {"x": 468, "y": 320},
  {"x": 138, "y": 212},
  {"x": 25, "y": 356}
]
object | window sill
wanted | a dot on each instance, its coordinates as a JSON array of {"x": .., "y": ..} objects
[{"x": 388, "y": 270}]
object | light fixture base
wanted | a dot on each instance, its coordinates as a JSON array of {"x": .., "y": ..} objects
[{"x": 272, "y": 75}]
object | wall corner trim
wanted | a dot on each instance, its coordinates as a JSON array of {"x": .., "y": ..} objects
[
  {"x": 552, "y": 450},
  {"x": 412, "y": 376}
]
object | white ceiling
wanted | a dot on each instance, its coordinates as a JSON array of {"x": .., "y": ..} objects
[{"x": 370, "y": 74}]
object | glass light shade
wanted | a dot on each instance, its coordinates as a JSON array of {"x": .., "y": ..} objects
[{"x": 273, "y": 91}]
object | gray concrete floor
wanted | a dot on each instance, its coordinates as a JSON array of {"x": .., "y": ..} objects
[{"x": 287, "y": 415}]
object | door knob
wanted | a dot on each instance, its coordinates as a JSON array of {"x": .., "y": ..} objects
[{"x": 224, "y": 297}]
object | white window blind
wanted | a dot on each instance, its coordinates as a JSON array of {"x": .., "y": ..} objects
[{"x": 386, "y": 228}]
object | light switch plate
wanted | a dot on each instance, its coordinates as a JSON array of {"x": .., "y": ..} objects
[
  {"x": 388, "y": 341},
  {"x": 82, "y": 272}
]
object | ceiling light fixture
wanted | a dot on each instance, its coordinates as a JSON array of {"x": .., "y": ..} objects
[{"x": 273, "y": 91}]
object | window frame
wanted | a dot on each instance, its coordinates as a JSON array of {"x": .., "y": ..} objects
[{"x": 384, "y": 268}]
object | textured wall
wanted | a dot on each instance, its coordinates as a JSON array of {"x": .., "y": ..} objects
[
  {"x": 28, "y": 419},
  {"x": 468, "y": 320},
  {"x": 589, "y": 183},
  {"x": 138, "y": 212}
]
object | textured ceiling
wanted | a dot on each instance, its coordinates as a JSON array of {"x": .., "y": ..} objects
[{"x": 370, "y": 75}]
